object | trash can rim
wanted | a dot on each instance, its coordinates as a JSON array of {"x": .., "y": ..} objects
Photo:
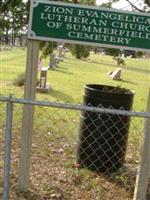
[{"x": 99, "y": 88}]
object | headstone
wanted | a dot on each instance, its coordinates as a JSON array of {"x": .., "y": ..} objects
[
  {"x": 53, "y": 61},
  {"x": 109, "y": 73},
  {"x": 116, "y": 75},
  {"x": 43, "y": 86},
  {"x": 61, "y": 52}
]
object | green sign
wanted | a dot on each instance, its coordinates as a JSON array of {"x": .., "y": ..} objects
[{"x": 73, "y": 23}]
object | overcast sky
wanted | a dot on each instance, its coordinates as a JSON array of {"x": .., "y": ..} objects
[{"x": 123, "y": 4}]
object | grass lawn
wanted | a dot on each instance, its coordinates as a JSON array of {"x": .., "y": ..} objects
[
  {"x": 53, "y": 175},
  {"x": 68, "y": 80}
]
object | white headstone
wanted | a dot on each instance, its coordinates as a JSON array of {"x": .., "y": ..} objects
[
  {"x": 61, "y": 52},
  {"x": 116, "y": 75}
]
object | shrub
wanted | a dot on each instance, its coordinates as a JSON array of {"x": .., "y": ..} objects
[
  {"x": 80, "y": 51},
  {"x": 19, "y": 80}
]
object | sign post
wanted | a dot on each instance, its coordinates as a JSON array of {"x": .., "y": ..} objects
[
  {"x": 144, "y": 173},
  {"x": 28, "y": 112}
]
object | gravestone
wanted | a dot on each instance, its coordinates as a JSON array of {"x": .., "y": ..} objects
[
  {"x": 43, "y": 86},
  {"x": 54, "y": 60},
  {"x": 115, "y": 75},
  {"x": 61, "y": 52}
]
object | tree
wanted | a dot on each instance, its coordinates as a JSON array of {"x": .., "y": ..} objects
[
  {"x": 13, "y": 18},
  {"x": 147, "y": 2},
  {"x": 80, "y": 51}
]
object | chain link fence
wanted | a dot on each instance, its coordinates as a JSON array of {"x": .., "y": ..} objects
[{"x": 78, "y": 152}]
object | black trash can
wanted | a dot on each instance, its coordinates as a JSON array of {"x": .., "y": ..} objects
[{"x": 103, "y": 137}]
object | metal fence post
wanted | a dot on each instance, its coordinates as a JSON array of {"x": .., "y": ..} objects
[
  {"x": 143, "y": 174},
  {"x": 7, "y": 149}
]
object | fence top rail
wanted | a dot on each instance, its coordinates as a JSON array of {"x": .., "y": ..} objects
[{"x": 74, "y": 107}]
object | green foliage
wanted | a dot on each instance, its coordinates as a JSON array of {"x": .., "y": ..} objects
[
  {"x": 47, "y": 48},
  {"x": 113, "y": 52},
  {"x": 13, "y": 14},
  {"x": 122, "y": 178},
  {"x": 19, "y": 80},
  {"x": 147, "y": 2},
  {"x": 86, "y": 52},
  {"x": 139, "y": 54},
  {"x": 13, "y": 19},
  {"x": 80, "y": 51},
  {"x": 88, "y": 2}
]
